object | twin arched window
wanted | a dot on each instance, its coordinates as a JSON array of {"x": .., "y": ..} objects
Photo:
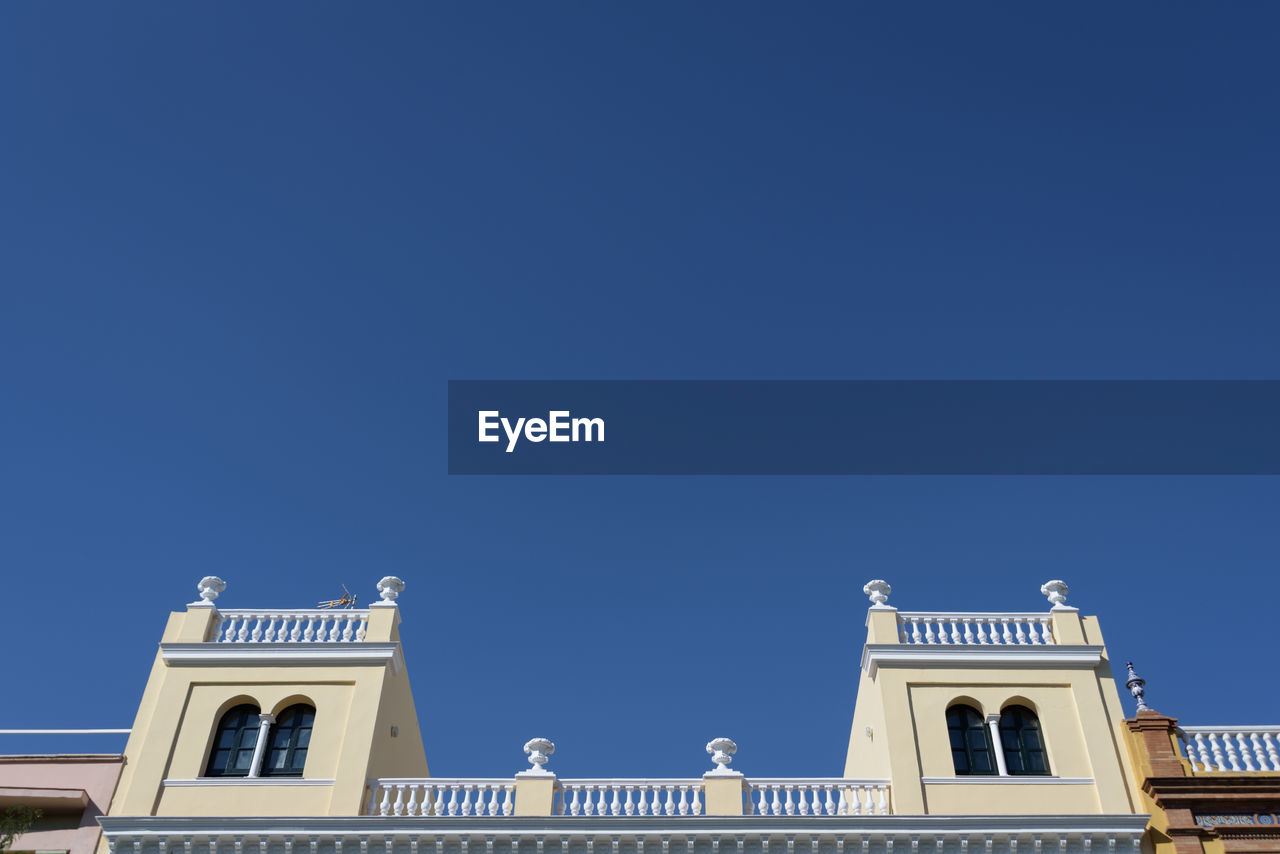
[
  {"x": 973, "y": 753},
  {"x": 236, "y": 752}
]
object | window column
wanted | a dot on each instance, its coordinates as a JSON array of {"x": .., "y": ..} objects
[
  {"x": 993, "y": 724},
  {"x": 264, "y": 728}
]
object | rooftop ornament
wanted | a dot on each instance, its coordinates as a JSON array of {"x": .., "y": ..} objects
[
  {"x": 1057, "y": 591},
  {"x": 1138, "y": 688},
  {"x": 389, "y": 588},
  {"x": 210, "y": 586},
  {"x": 877, "y": 591},
  {"x": 722, "y": 750},
  {"x": 539, "y": 750}
]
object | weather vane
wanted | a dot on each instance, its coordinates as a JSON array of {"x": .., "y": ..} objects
[{"x": 348, "y": 600}]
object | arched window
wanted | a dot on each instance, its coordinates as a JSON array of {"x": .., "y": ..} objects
[
  {"x": 233, "y": 743},
  {"x": 1020, "y": 738},
  {"x": 290, "y": 737},
  {"x": 970, "y": 742}
]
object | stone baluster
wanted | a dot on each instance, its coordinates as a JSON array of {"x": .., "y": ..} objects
[
  {"x": 1006, "y": 635},
  {"x": 415, "y": 800},
  {"x": 452, "y": 808},
  {"x": 1019, "y": 635},
  {"x": 1230, "y": 746},
  {"x": 882, "y": 807},
  {"x": 1218, "y": 759},
  {"x": 916, "y": 637},
  {"x": 968, "y": 632},
  {"x": 440, "y": 807},
  {"x": 384, "y": 808},
  {"x": 1272, "y": 754}
]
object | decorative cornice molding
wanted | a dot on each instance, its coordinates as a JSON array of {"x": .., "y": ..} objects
[
  {"x": 282, "y": 654},
  {"x": 876, "y": 655},
  {"x": 380, "y": 826}
]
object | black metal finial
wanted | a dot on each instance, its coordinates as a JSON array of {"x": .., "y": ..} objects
[{"x": 1138, "y": 688}]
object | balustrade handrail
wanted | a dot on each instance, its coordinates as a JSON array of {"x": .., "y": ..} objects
[
  {"x": 947, "y": 615},
  {"x": 292, "y": 612},
  {"x": 290, "y": 625},
  {"x": 1218, "y": 730},
  {"x": 962, "y": 628},
  {"x": 626, "y": 796},
  {"x": 1214, "y": 749},
  {"x": 823, "y": 781}
]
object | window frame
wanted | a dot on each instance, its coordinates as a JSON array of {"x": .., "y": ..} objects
[
  {"x": 247, "y": 730},
  {"x": 1023, "y": 721},
  {"x": 972, "y": 721},
  {"x": 296, "y": 728}
]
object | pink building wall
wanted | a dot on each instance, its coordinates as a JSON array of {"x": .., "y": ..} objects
[{"x": 54, "y": 783}]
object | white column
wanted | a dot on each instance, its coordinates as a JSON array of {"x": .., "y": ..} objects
[
  {"x": 993, "y": 724},
  {"x": 264, "y": 727}
]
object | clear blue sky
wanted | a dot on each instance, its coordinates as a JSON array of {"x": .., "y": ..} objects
[{"x": 244, "y": 246}]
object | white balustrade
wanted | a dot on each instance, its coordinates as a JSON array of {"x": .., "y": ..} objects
[
  {"x": 818, "y": 796},
  {"x": 935, "y": 627},
  {"x": 602, "y": 798},
  {"x": 629, "y": 797},
  {"x": 438, "y": 796},
  {"x": 1231, "y": 749},
  {"x": 309, "y": 626}
]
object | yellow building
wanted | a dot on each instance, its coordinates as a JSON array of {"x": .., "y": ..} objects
[{"x": 273, "y": 731}]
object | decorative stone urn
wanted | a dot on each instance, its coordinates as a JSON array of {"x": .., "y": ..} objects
[
  {"x": 389, "y": 588},
  {"x": 722, "y": 750},
  {"x": 877, "y": 591},
  {"x": 1057, "y": 591},
  {"x": 210, "y": 586},
  {"x": 539, "y": 750}
]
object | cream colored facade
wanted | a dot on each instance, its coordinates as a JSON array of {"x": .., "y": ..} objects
[
  {"x": 366, "y": 787},
  {"x": 899, "y": 721},
  {"x": 361, "y": 687}
]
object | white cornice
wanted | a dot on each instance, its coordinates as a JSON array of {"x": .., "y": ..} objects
[
  {"x": 1008, "y": 780},
  {"x": 876, "y": 655},
  {"x": 379, "y": 826},
  {"x": 249, "y": 781},
  {"x": 282, "y": 654}
]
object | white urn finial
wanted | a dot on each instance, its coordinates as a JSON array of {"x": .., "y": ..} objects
[
  {"x": 210, "y": 586},
  {"x": 877, "y": 591},
  {"x": 1057, "y": 591},
  {"x": 722, "y": 750},
  {"x": 389, "y": 588},
  {"x": 539, "y": 749}
]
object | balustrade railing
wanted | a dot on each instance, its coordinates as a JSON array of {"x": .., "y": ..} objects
[
  {"x": 438, "y": 796},
  {"x": 819, "y": 796},
  {"x": 812, "y": 796},
  {"x": 1231, "y": 749},
  {"x": 309, "y": 626},
  {"x": 934, "y": 627},
  {"x": 629, "y": 797}
]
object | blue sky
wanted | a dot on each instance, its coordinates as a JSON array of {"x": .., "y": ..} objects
[{"x": 243, "y": 248}]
